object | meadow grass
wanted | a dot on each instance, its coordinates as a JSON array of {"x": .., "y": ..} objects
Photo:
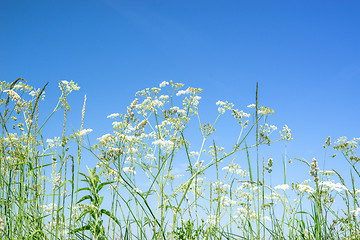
[{"x": 47, "y": 193}]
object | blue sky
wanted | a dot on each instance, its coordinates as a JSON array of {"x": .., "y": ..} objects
[{"x": 304, "y": 54}]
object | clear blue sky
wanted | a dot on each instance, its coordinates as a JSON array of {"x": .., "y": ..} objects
[{"x": 304, "y": 54}]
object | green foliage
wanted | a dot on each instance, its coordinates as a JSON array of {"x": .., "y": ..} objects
[
  {"x": 40, "y": 197},
  {"x": 93, "y": 210},
  {"x": 187, "y": 231}
]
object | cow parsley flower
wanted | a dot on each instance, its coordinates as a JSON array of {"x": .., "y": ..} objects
[
  {"x": 13, "y": 95},
  {"x": 113, "y": 115},
  {"x": 212, "y": 219},
  {"x": 137, "y": 190},
  {"x": 163, "y": 84},
  {"x": 182, "y": 92},
  {"x": 283, "y": 187},
  {"x": 84, "y": 132},
  {"x": 304, "y": 188},
  {"x": 355, "y": 212},
  {"x": 129, "y": 170}
]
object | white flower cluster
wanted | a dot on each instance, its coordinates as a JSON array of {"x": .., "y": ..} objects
[
  {"x": 228, "y": 202},
  {"x": 198, "y": 164},
  {"x": 163, "y": 84},
  {"x": 355, "y": 212},
  {"x": 68, "y": 86},
  {"x": 167, "y": 145},
  {"x": 137, "y": 190},
  {"x": 53, "y": 142},
  {"x": 267, "y": 129},
  {"x": 105, "y": 139},
  {"x": 84, "y": 132},
  {"x": 265, "y": 111},
  {"x": 286, "y": 133},
  {"x": 333, "y": 186},
  {"x": 245, "y": 213},
  {"x": 113, "y": 115},
  {"x": 283, "y": 187},
  {"x": 304, "y": 188},
  {"x": 14, "y": 96},
  {"x": 57, "y": 181},
  {"x": 212, "y": 219},
  {"x": 49, "y": 208},
  {"x": 183, "y": 92},
  {"x": 129, "y": 170},
  {"x": 223, "y": 106},
  {"x": 235, "y": 168},
  {"x": 178, "y": 110},
  {"x": 34, "y": 94}
]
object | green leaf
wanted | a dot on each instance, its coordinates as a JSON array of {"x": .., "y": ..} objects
[
  {"x": 84, "y": 198},
  {"x": 83, "y": 228},
  {"x": 83, "y": 189},
  {"x": 101, "y": 185},
  {"x": 107, "y": 213}
]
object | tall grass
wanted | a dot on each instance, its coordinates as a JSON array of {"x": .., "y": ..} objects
[{"x": 152, "y": 182}]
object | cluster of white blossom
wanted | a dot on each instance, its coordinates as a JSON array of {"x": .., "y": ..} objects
[
  {"x": 226, "y": 201},
  {"x": 49, "y": 208},
  {"x": 245, "y": 213},
  {"x": 235, "y": 168},
  {"x": 68, "y": 86},
  {"x": 283, "y": 187},
  {"x": 265, "y": 110},
  {"x": 304, "y": 188},
  {"x": 212, "y": 220},
  {"x": 223, "y": 106},
  {"x": 83, "y": 132},
  {"x": 286, "y": 133},
  {"x": 166, "y": 145},
  {"x": 332, "y": 186},
  {"x": 53, "y": 142},
  {"x": 129, "y": 170}
]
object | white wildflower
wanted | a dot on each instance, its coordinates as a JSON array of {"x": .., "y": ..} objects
[
  {"x": 286, "y": 133},
  {"x": 212, "y": 219},
  {"x": 224, "y": 106},
  {"x": 182, "y": 92},
  {"x": 84, "y": 132},
  {"x": 265, "y": 111},
  {"x": 228, "y": 201},
  {"x": 68, "y": 86},
  {"x": 220, "y": 103},
  {"x": 251, "y": 106},
  {"x": 32, "y": 93},
  {"x": 53, "y": 142},
  {"x": 221, "y": 110},
  {"x": 305, "y": 188},
  {"x": 163, "y": 84},
  {"x": 13, "y": 95},
  {"x": 283, "y": 187},
  {"x": 113, "y": 115},
  {"x": 129, "y": 170},
  {"x": 355, "y": 212},
  {"x": 193, "y": 154},
  {"x": 167, "y": 144},
  {"x": 333, "y": 186},
  {"x": 137, "y": 190},
  {"x": 105, "y": 138},
  {"x": 49, "y": 208},
  {"x": 198, "y": 164}
]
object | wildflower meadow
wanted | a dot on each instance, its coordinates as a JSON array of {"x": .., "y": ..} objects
[{"x": 162, "y": 173}]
